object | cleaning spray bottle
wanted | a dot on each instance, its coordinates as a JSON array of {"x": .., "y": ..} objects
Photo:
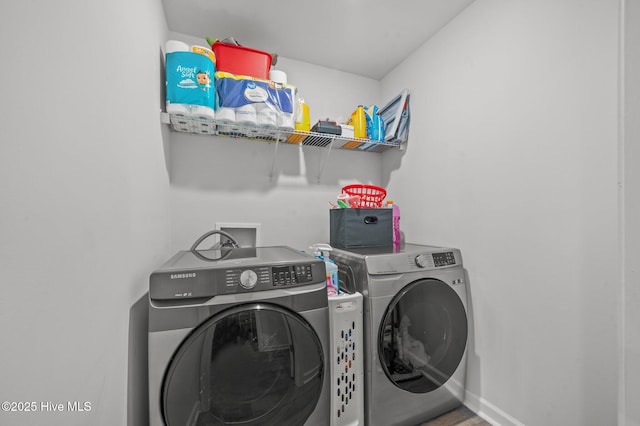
[
  {"x": 397, "y": 235},
  {"x": 321, "y": 252}
]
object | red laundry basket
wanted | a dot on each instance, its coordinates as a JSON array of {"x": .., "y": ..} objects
[{"x": 371, "y": 196}]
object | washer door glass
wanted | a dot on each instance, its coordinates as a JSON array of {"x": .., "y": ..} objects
[
  {"x": 255, "y": 364},
  {"x": 423, "y": 336}
]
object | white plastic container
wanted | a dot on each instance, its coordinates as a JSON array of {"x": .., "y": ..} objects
[{"x": 346, "y": 359}]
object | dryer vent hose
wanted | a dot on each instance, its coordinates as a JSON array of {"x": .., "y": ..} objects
[{"x": 234, "y": 243}]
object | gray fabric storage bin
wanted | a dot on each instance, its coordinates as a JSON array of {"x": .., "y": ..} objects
[{"x": 353, "y": 228}]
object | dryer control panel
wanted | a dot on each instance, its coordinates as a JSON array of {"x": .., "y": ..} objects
[
  {"x": 436, "y": 260},
  {"x": 268, "y": 277},
  {"x": 205, "y": 274},
  {"x": 411, "y": 258},
  {"x": 291, "y": 275}
]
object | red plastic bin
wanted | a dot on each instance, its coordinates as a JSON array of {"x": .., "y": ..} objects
[
  {"x": 371, "y": 196},
  {"x": 241, "y": 60}
]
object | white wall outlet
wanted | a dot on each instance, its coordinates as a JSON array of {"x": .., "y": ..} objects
[{"x": 246, "y": 234}]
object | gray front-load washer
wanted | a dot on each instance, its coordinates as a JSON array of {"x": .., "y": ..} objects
[
  {"x": 239, "y": 337},
  {"x": 415, "y": 329}
]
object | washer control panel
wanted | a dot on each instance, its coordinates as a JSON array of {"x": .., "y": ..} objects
[
  {"x": 435, "y": 260},
  {"x": 410, "y": 258},
  {"x": 248, "y": 279},
  {"x": 422, "y": 260},
  {"x": 263, "y": 278},
  {"x": 202, "y": 274},
  {"x": 291, "y": 275},
  {"x": 444, "y": 259}
]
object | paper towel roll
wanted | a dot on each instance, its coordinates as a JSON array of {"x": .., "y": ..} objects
[
  {"x": 278, "y": 76},
  {"x": 176, "y": 46},
  {"x": 246, "y": 115}
]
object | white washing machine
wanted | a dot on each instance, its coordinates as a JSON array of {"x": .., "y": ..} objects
[
  {"x": 415, "y": 329},
  {"x": 239, "y": 336}
]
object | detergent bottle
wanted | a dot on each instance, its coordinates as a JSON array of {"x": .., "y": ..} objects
[
  {"x": 302, "y": 123},
  {"x": 333, "y": 283},
  {"x": 359, "y": 122}
]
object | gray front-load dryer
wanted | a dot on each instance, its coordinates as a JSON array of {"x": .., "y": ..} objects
[
  {"x": 239, "y": 337},
  {"x": 415, "y": 329}
]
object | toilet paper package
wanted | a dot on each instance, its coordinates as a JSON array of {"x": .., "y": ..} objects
[
  {"x": 190, "y": 88},
  {"x": 272, "y": 101},
  {"x": 226, "y": 115},
  {"x": 247, "y": 115},
  {"x": 266, "y": 115},
  {"x": 287, "y": 121}
]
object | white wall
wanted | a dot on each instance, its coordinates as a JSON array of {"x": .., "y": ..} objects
[
  {"x": 513, "y": 158},
  {"x": 631, "y": 336},
  {"x": 226, "y": 180},
  {"x": 84, "y": 191}
]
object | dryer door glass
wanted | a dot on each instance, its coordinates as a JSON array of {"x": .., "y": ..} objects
[
  {"x": 423, "y": 336},
  {"x": 256, "y": 364}
]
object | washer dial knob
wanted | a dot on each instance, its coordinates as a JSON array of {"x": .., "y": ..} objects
[
  {"x": 421, "y": 260},
  {"x": 248, "y": 279}
]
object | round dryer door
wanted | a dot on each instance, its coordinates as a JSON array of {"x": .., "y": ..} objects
[
  {"x": 255, "y": 364},
  {"x": 423, "y": 335}
]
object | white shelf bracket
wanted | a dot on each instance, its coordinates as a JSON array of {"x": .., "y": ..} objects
[
  {"x": 326, "y": 158},
  {"x": 275, "y": 159}
]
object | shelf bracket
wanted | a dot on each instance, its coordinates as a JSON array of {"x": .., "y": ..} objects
[
  {"x": 165, "y": 118},
  {"x": 326, "y": 158},
  {"x": 275, "y": 159}
]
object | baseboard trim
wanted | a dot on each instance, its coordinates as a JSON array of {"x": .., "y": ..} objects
[{"x": 488, "y": 411}]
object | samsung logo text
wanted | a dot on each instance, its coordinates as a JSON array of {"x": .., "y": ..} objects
[{"x": 183, "y": 276}]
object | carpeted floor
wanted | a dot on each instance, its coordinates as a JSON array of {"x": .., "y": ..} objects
[{"x": 461, "y": 416}]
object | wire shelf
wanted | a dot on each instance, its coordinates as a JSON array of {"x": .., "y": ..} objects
[{"x": 208, "y": 126}]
